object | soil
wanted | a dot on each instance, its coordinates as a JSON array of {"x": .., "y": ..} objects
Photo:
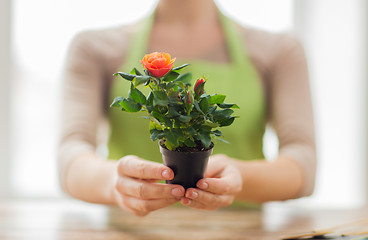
[{"x": 198, "y": 148}]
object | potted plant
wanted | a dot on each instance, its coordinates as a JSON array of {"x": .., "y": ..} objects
[{"x": 182, "y": 118}]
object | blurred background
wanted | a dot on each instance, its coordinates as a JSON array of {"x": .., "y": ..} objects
[{"x": 34, "y": 37}]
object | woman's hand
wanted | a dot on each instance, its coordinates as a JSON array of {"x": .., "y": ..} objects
[
  {"x": 219, "y": 187},
  {"x": 136, "y": 188}
]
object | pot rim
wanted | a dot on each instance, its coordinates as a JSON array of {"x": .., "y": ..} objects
[{"x": 207, "y": 150}]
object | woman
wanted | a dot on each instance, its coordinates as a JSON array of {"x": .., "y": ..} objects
[{"x": 266, "y": 72}]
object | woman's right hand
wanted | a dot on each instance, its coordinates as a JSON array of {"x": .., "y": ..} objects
[{"x": 136, "y": 188}]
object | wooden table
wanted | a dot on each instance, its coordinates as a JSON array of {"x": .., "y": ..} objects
[{"x": 71, "y": 219}]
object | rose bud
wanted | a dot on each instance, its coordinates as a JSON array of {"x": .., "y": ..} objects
[
  {"x": 157, "y": 63},
  {"x": 190, "y": 97},
  {"x": 199, "y": 87}
]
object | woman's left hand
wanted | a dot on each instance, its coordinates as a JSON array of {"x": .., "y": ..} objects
[{"x": 221, "y": 184}]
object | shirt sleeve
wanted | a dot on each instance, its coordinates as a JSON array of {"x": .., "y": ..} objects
[
  {"x": 290, "y": 109},
  {"x": 82, "y": 99}
]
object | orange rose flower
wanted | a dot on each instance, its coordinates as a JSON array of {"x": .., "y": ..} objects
[{"x": 158, "y": 63}]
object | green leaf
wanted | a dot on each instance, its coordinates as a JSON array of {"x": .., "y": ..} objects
[
  {"x": 205, "y": 128},
  {"x": 178, "y": 69},
  {"x": 217, "y": 133},
  {"x": 157, "y": 116},
  {"x": 170, "y": 85},
  {"x": 173, "y": 94},
  {"x": 205, "y": 138},
  {"x": 156, "y": 134},
  {"x": 174, "y": 97},
  {"x": 169, "y": 146},
  {"x": 176, "y": 88},
  {"x": 204, "y": 104},
  {"x": 140, "y": 80},
  {"x": 190, "y": 130},
  {"x": 184, "y": 78},
  {"x": 212, "y": 109},
  {"x": 148, "y": 82},
  {"x": 162, "y": 85},
  {"x": 130, "y": 105},
  {"x": 196, "y": 106},
  {"x": 167, "y": 122},
  {"x": 211, "y": 124},
  {"x": 228, "y": 105},
  {"x": 173, "y": 112},
  {"x": 171, "y": 76},
  {"x": 136, "y": 95},
  {"x": 216, "y": 99},
  {"x": 149, "y": 99},
  {"x": 126, "y": 76},
  {"x": 184, "y": 119},
  {"x": 172, "y": 138},
  {"x": 179, "y": 133},
  {"x": 175, "y": 101},
  {"x": 189, "y": 143},
  {"x": 117, "y": 101},
  {"x": 154, "y": 124},
  {"x": 227, "y": 122},
  {"x": 160, "y": 98},
  {"x": 149, "y": 109},
  {"x": 195, "y": 114},
  {"x": 162, "y": 109},
  {"x": 220, "y": 115},
  {"x": 136, "y": 72}
]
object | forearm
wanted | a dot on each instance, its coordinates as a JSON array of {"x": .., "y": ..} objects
[
  {"x": 91, "y": 179},
  {"x": 269, "y": 181}
]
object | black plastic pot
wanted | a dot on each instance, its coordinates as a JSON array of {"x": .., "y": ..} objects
[{"x": 188, "y": 167}]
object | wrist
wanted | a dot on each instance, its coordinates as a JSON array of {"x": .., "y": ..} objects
[{"x": 222, "y": 159}]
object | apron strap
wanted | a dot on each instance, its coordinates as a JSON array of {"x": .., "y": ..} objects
[{"x": 234, "y": 42}]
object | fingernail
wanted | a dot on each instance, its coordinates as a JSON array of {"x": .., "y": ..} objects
[
  {"x": 166, "y": 174},
  {"x": 186, "y": 201},
  {"x": 177, "y": 192},
  {"x": 194, "y": 195},
  {"x": 202, "y": 185}
]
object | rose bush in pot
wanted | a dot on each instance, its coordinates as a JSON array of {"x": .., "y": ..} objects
[{"x": 182, "y": 118}]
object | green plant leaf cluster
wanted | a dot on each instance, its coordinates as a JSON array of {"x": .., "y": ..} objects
[{"x": 178, "y": 114}]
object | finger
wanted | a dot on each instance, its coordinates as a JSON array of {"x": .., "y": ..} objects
[
  {"x": 215, "y": 166},
  {"x": 214, "y": 185},
  {"x": 208, "y": 200},
  {"x": 146, "y": 190},
  {"x": 230, "y": 182},
  {"x": 193, "y": 204},
  {"x": 133, "y": 166},
  {"x": 141, "y": 207},
  {"x": 151, "y": 180}
]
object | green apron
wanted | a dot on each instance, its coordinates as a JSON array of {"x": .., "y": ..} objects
[{"x": 238, "y": 80}]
